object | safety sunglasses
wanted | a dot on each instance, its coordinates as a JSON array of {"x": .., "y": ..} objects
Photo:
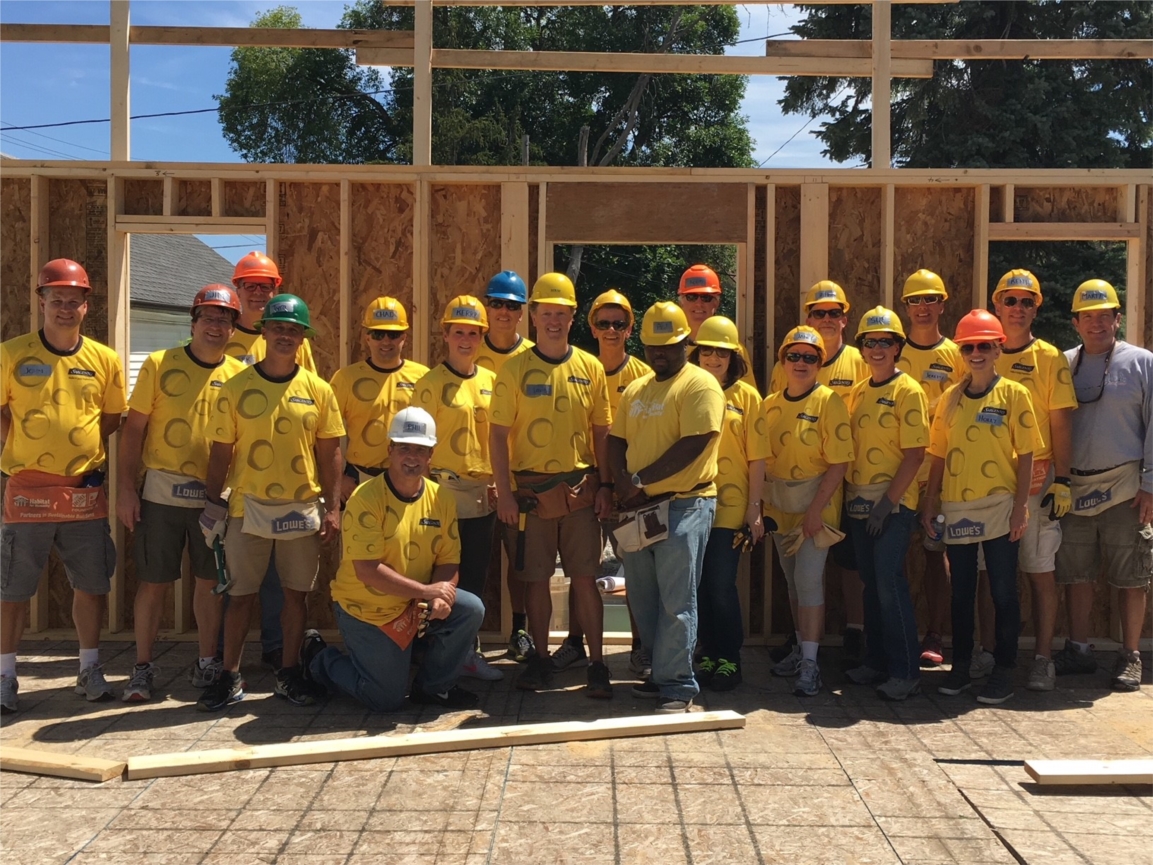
[
  {"x": 709, "y": 351},
  {"x": 378, "y": 335},
  {"x": 795, "y": 356},
  {"x": 605, "y": 324},
  {"x": 1026, "y": 302},
  {"x": 701, "y": 298},
  {"x": 982, "y": 347},
  {"x": 879, "y": 342},
  {"x": 498, "y": 303},
  {"x": 827, "y": 313},
  {"x": 927, "y": 299},
  {"x": 215, "y": 319}
]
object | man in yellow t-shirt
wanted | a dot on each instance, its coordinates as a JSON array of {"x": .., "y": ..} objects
[
  {"x": 167, "y": 427},
  {"x": 699, "y": 294},
  {"x": 275, "y": 432},
  {"x": 401, "y": 552},
  {"x": 663, "y": 448},
  {"x": 256, "y": 278},
  {"x": 504, "y": 299}
]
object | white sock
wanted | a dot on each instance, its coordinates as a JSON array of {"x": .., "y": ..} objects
[
  {"x": 1042, "y": 657},
  {"x": 1084, "y": 647},
  {"x": 204, "y": 662},
  {"x": 8, "y": 665},
  {"x": 855, "y": 627},
  {"x": 809, "y": 649},
  {"x": 89, "y": 658},
  {"x": 798, "y": 638}
]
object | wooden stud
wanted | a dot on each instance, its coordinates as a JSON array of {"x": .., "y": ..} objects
[
  {"x": 345, "y": 330},
  {"x": 119, "y": 340},
  {"x": 1135, "y": 276},
  {"x": 746, "y": 297},
  {"x": 770, "y": 253},
  {"x": 422, "y": 84},
  {"x": 882, "y": 84},
  {"x": 420, "y": 319},
  {"x": 1008, "y": 203},
  {"x": 120, "y": 149},
  {"x": 980, "y": 293},
  {"x": 514, "y": 227},
  {"x": 814, "y": 235},
  {"x": 1090, "y": 772},
  {"x": 968, "y": 49},
  {"x": 36, "y": 762},
  {"x": 544, "y": 261},
  {"x": 39, "y": 248},
  {"x": 1109, "y": 231},
  {"x": 271, "y": 218},
  {"x": 888, "y": 245},
  {"x": 183, "y": 614},
  {"x": 166, "y": 195},
  {"x": 217, "y": 198}
]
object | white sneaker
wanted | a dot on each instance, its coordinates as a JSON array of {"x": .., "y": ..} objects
[
  {"x": 476, "y": 667},
  {"x": 981, "y": 665},
  {"x": 139, "y": 687},
  {"x": 9, "y": 687},
  {"x": 202, "y": 677},
  {"x": 92, "y": 685},
  {"x": 1042, "y": 675},
  {"x": 790, "y": 665}
]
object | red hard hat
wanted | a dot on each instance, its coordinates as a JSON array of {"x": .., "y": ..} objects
[
  {"x": 256, "y": 265},
  {"x": 980, "y": 325},
  {"x": 699, "y": 279},
  {"x": 63, "y": 272},
  {"x": 217, "y": 295}
]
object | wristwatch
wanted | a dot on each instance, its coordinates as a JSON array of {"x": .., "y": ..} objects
[{"x": 636, "y": 481}]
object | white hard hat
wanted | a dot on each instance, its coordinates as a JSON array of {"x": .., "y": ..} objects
[{"x": 413, "y": 426}]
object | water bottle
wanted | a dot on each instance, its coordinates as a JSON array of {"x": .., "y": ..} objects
[{"x": 935, "y": 539}]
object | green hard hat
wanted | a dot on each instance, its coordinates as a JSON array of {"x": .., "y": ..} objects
[{"x": 290, "y": 308}]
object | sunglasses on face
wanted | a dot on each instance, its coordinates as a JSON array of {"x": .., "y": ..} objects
[
  {"x": 927, "y": 299},
  {"x": 982, "y": 347},
  {"x": 796, "y": 356},
  {"x": 1026, "y": 302},
  {"x": 498, "y": 303},
  {"x": 619, "y": 326},
  {"x": 710, "y": 351},
  {"x": 378, "y": 335},
  {"x": 879, "y": 342},
  {"x": 827, "y": 313},
  {"x": 701, "y": 298},
  {"x": 215, "y": 319}
]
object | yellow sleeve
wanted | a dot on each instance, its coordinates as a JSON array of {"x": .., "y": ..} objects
[
  {"x": 1060, "y": 379},
  {"x": 423, "y": 397},
  {"x": 702, "y": 409},
  {"x": 602, "y": 412},
  {"x": 6, "y": 370},
  {"x": 912, "y": 413},
  {"x": 331, "y": 424},
  {"x": 778, "y": 379},
  {"x": 1025, "y": 438},
  {"x": 759, "y": 442},
  {"x": 222, "y": 421},
  {"x": 504, "y": 396},
  {"x": 144, "y": 393},
  {"x": 838, "y": 438},
  {"x": 752, "y": 408},
  {"x": 115, "y": 395},
  {"x": 362, "y": 524},
  {"x": 448, "y": 552},
  {"x": 621, "y": 414},
  {"x": 938, "y": 434},
  {"x": 304, "y": 356}
]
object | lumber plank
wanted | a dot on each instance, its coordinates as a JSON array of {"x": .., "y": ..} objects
[
  {"x": 1104, "y": 772},
  {"x": 1064, "y": 231},
  {"x": 371, "y": 747},
  {"x": 968, "y": 49},
  {"x": 650, "y": 2},
  {"x": 260, "y": 37},
  {"x": 59, "y": 765}
]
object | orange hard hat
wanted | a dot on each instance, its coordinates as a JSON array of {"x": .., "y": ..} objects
[
  {"x": 980, "y": 325},
  {"x": 256, "y": 265},
  {"x": 63, "y": 272},
  {"x": 699, "y": 279},
  {"x": 217, "y": 295}
]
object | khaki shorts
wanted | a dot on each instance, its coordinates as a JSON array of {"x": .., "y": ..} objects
[
  {"x": 297, "y": 561},
  {"x": 1113, "y": 539},
  {"x": 1037, "y": 550},
  {"x": 85, "y": 548},
  {"x": 159, "y": 544},
  {"x": 577, "y": 536}
]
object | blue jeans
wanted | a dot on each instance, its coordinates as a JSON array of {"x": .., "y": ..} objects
[
  {"x": 1001, "y": 562},
  {"x": 375, "y": 670},
  {"x": 271, "y": 605},
  {"x": 890, "y": 624},
  {"x": 719, "y": 606},
  {"x": 662, "y": 586}
]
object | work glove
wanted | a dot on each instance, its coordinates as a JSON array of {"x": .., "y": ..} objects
[
  {"x": 1059, "y": 499},
  {"x": 213, "y": 520},
  {"x": 878, "y": 514}
]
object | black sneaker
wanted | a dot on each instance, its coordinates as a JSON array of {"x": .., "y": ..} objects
[
  {"x": 726, "y": 676},
  {"x": 781, "y": 652},
  {"x": 647, "y": 690},
  {"x": 852, "y": 648},
  {"x": 273, "y": 659},
  {"x": 537, "y": 674},
  {"x": 455, "y": 697},
  {"x": 999, "y": 688},
  {"x": 599, "y": 686},
  {"x": 228, "y": 688},
  {"x": 311, "y": 646},
  {"x": 1072, "y": 661},
  {"x": 957, "y": 681},
  {"x": 299, "y": 691}
]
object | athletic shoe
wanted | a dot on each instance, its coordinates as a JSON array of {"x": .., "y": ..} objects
[
  {"x": 311, "y": 646},
  {"x": 981, "y": 665},
  {"x": 790, "y": 665},
  {"x": 932, "y": 652},
  {"x": 895, "y": 690},
  {"x": 647, "y": 690},
  {"x": 228, "y": 688},
  {"x": 476, "y": 667},
  {"x": 852, "y": 648},
  {"x": 520, "y": 647},
  {"x": 641, "y": 662},
  {"x": 865, "y": 675},
  {"x": 706, "y": 667},
  {"x": 202, "y": 677},
  {"x": 957, "y": 681},
  {"x": 726, "y": 676},
  {"x": 1042, "y": 675},
  {"x": 672, "y": 706},
  {"x": 599, "y": 684},
  {"x": 809, "y": 682},
  {"x": 999, "y": 688},
  {"x": 781, "y": 652},
  {"x": 298, "y": 690},
  {"x": 569, "y": 655},
  {"x": 1127, "y": 671},
  {"x": 536, "y": 676},
  {"x": 139, "y": 687},
  {"x": 455, "y": 697},
  {"x": 273, "y": 659},
  {"x": 9, "y": 687},
  {"x": 92, "y": 685},
  {"x": 1071, "y": 660}
]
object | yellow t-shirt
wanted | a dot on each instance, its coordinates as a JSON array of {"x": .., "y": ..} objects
[
  {"x": 886, "y": 420},
  {"x": 1044, "y": 371},
  {"x": 410, "y": 536},
  {"x": 274, "y": 426},
  {"x": 799, "y": 438},
  {"x": 177, "y": 391},
  {"x": 459, "y": 405},
  {"x": 494, "y": 358},
  {"x": 653, "y": 415},
  {"x": 934, "y": 367},
  {"x": 621, "y": 377},
  {"x": 249, "y": 347},
  {"x": 839, "y": 373},
  {"x": 550, "y": 408},
  {"x": 742, "y": 403},
  {"x": 368, "y": 398},
  {"x": 979, "y": 439},
  {"x": 56, "y": 400}
]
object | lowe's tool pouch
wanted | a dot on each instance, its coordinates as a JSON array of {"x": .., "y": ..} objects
[{"x": 280, "y": 520}]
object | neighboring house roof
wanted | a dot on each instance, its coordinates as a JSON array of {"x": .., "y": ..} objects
[{"x": 168, "y": 269}]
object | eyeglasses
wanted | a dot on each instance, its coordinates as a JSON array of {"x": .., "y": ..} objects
[
  {"x": 701, "y": 298},
  {"x": 879, "y": 342},
  {"x": 378, "y": 335},
  {"x": 927, "y": 299},
  {"x": 215, "y": 319},
  {"x": 796, "y": 356},
  {"x": 498, "y": 303},
  {"x": 709, "y": 351},
  {"x": 257, "y": 286},
  {"x": 982, "y": 347},
  {"x": 605, "y": 324},
  {"x": 827, "y": 313},
  {"x": 1026, "y": 302}
]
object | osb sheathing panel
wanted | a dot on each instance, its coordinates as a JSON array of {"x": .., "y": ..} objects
[
  {"x": 757, "y": 571},
  {"x": 933, "y": 228},
  {"x": 1065, "y": 204},
  {"x": 193, "y": 198},
  {"x": 243, "y": 198},
  {"x": 381, "y": 259},
  {"x": 788, "y": 260},
  {"x": 15, "y": 255},
  {"x": 465, "y": 249},
  {"x": 855, "y": 247},
  {"x": 143, "y": 197}
]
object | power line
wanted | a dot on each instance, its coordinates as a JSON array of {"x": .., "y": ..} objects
[{"x": 8, "y": 125}]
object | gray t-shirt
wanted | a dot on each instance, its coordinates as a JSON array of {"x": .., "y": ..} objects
[{"x": 1117, "y": 428}]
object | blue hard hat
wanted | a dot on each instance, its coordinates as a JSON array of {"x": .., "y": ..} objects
[{"x": 507, "y": 285}]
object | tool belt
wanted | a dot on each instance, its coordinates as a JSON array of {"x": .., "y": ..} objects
[
  {"x": 280, "y": 520},
  {"x": 860, "y": 498},
  {"x": 793, "y": 497},
  {"x": 979, "y": 520},
  {"x": 557, "y": 495},
  {"x": 1093, "y": 493},
  {"x": 171, "y": 488},
  {"x": 39, "y": 497},
  {"x": 791, "y": 542},
  {"x": 471, "y": 494}
]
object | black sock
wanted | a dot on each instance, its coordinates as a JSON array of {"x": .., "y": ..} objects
[
  {"x": 576, "y": 639},
  {"x": 519, "y": 622},
  {"x": 636, "y": 643}
]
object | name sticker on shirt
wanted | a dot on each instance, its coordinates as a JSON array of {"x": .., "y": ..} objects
[
  {"x": 30, "y": 369},
  {"x": 485, "y": 392},
  {"x": 992, "y": 416},
  {"x": 430, "y": 521},
  {"x": 841, "y": 382},
  {"x": 303, "y": 400},
  {"x": 932, "y": 374},
  {"x": 811, "y": 418},
  {"x": 1022, "y": 367},
  {"x": 406, "y": 385},
  {"x": 883, "y": 401},
  {"x": 576, "y": 379},
  {"x": 735, "y": 410},
  {"x": 82, "y": 373},
  {"x": 216, "y": 383},
  {"x": 538, "y": 390}
]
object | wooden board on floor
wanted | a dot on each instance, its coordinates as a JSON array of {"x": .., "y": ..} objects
[
  {"x": 59, "y": 765},
  {"x": 299, "y": 753},
  {"x": 1090, "y": 772}
]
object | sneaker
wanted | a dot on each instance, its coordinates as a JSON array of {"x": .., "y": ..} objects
[
  {"x": 932, "y": 654},
  {"x": 520, "y": 647},
  {"x": 781, "y": 652},
  {"x": 476, "y": 667},
  {"x": 647, "y": 690},
  {"x": 599, "y": 685},
  {"x": 981, "y": 665},
  {"x": 865, "y": 675},
  {"x": 1127, "y": 671},
  {"x": 9, "y": 687},
  {"x": 139, "y": 687},
  {"x": 569, "y": 655},
  {"x": 1042, "y": 675},
  {"x": 789, "y": 665},
  {"x": 228, "y": 688},
  {"x": 92, "y": 685},
  {"x": 298, "y": 690},
  {"x": 957, "y": 681},
  {"x": 672, "y": 705},
  {"x": 852, "y": 647},
  {"x": 726, "y": 676},
  {"x": 311, "y": 646},
  {"x": 706, "y": 667},
  {"x": 273, "y": 659},
  {"x": 895, "y": 689},
  {"x": 1071, "y": 660},
  {"x": 536, "y": 676},
  {"x": 641, "y": 662},
  {"x": 202, "y": 677},
  {"x": 809, "y": 682},
  {"x": 999, "y": 688},
  {"x": 455, "y": 697}
]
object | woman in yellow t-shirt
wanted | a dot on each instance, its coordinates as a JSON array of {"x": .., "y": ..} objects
[
  {"x": 889, "y": 417},
  {"x": 740, "y": 482},
  {"x": 982, "y": 443},
  {"x": 803, "y": 435}
]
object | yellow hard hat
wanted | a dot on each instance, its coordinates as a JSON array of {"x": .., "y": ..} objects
[
  {"x": 465, "y": 309},
  {"x": 1095, "y": 294},
  {"x": 1018, "y": 280},
  {"x": 664, "y": 324},
  {"x": 880, "y": 320},
  {"x": 826, "y": 291},
  {"x": 718, "y": 332},
  {"x": 612, "y": 297},
  {"x": 554, "y": 288},
  {"x": 386, "y": 313},
  {"x": 924, "y": 282},
  {"x": 803, "y": 335}
]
